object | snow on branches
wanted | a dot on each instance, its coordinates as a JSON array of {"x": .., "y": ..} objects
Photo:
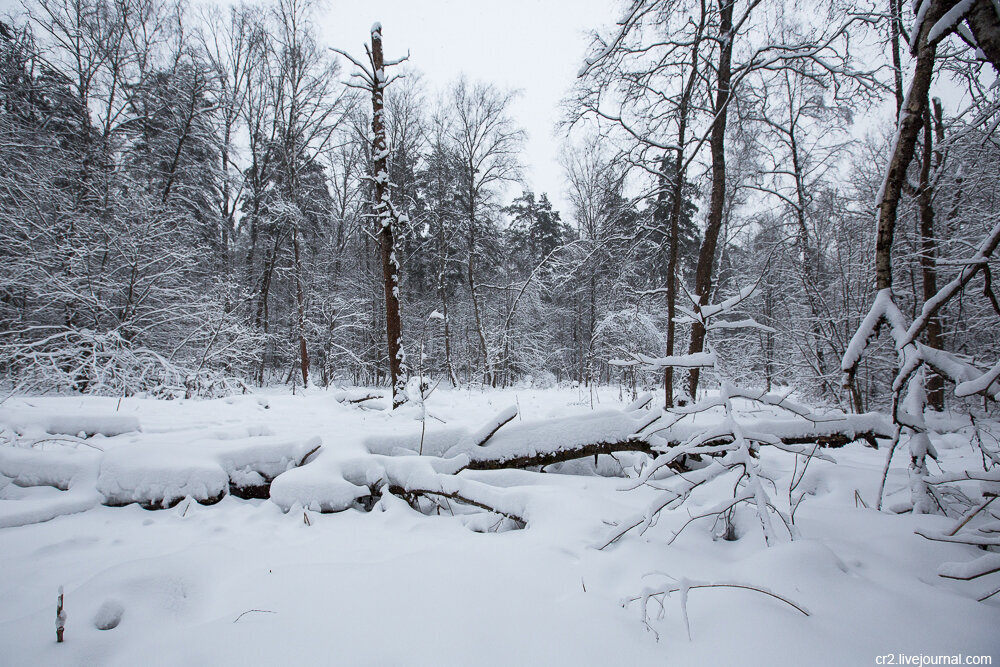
[{"x": 729, "y": 447}]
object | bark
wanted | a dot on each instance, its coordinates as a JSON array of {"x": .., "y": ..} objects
[
  {"x": 447, "y": 333},
  {"x": 928, "y": 260},
  {"x": 301, "y": 303},
  {"x": 910, "y": 123},
  {"x": 985, "y": 26},
  {"x": 384, "y": 218},
  {"x": 676, "y": 208},
  {"x": 544, "y": 458},
  {"x": 716, "y": 208},
  {"x": 487, "y": 368},
  {"x": 443, "y": 291},
  {"x": 895, "y": 26},
  {"x": 668, "y": 372}
]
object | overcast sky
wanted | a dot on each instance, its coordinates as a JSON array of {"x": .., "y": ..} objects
[{"x": 535, "y": 46}]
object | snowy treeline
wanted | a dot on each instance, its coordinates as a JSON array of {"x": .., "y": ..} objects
[{"x": 185, "y": 200}]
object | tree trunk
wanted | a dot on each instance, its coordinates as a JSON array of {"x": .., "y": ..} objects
[
  {"x": 385, "y": 216},
  {"x": 472, "y": 281},
  {"x": 300, "y": 299},
  {"x": 928, "y": 260},
  {"x": 443, "y": 291},
  {"x": 895, "y": 27},
  {"x": 668, "y": 372},
  {"x": 717, "y": 204},
  {"x": 985, "y": 25},
  {"x": 910, "y": 123},
  {"x": 676, "y": 209}
]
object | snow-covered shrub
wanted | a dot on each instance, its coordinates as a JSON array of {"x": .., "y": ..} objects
[{"x": 726, "y": 449}]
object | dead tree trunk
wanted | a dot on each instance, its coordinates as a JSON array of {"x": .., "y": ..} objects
[{"x": 385, "y": 216}]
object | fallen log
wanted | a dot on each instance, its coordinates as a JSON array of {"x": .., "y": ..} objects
[
  {"x": 528, "y": 445},
  {"x": 544, "y": 458}
]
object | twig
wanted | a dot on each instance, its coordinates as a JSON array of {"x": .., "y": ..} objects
[
  {"x": 60, "y": 617},
  {"x": 988, "y": 596},
  {"x": 888, "y": 461},
  {"x": 312, "y": 451},
  {"x": 686, "y": 586},
  {"x": 259, "y": 611},
  {"x": 971, "y": 514}
]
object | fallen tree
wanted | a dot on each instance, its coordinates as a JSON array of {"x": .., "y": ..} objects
[{"x": 538, "y": 444}]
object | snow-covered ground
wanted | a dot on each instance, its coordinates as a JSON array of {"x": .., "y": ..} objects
[{"x": 245, "y": 582}]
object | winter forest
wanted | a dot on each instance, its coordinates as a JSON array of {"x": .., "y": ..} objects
[{"x": 303, "y": 333}]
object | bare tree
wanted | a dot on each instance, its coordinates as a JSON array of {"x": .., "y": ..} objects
[{"x": 487, "y": 145}]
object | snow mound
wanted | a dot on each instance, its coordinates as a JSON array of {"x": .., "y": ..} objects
[
  {"x": 70, "y": 472},
  {"x": 109, "y": 615},
  {"x": 38, "y": 510}
]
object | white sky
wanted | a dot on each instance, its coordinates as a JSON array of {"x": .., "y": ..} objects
[{"x": 535, "y": 46}]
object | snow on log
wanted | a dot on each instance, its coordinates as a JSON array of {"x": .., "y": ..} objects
[
  {"x": 37, "y": 421},
  {"x": 71, "y": 473},
  {"x": 28, "y": 466},
  {"x": 550, "y": 441},
  {"x": 544, "y": 443},
  {"x": 24, "y": 512},
  {"x": 160, "y": 475},
  {"x": 157, "y": 476},
  {"x": 640, "y": 402},
  {"x": 695, "y": 360},
  {"x": 980, "y": 567},
  {"x": 358, "y": 397},
  {"x": 979, "y": 385},
  {"x": 834, "y": 432},
  {"x": 489, "y": 429},
  {"x": 321, "y": 487},
  {"x": 540, "y": 443},
  {"x": 333, "y": 485}
]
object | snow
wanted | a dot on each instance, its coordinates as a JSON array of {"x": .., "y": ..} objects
[
  {"x": 980, "y": 384},
  {"x": 979, "y": 567},
  {"x": 276, "y": 581},
  {"x": 694, "y": 360},
  {"x": 947, "y": 22},
  {"x": 68, "y": 423},
  {"x": 482, "y": 436},
  {"x": 158, "y": 475}
]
